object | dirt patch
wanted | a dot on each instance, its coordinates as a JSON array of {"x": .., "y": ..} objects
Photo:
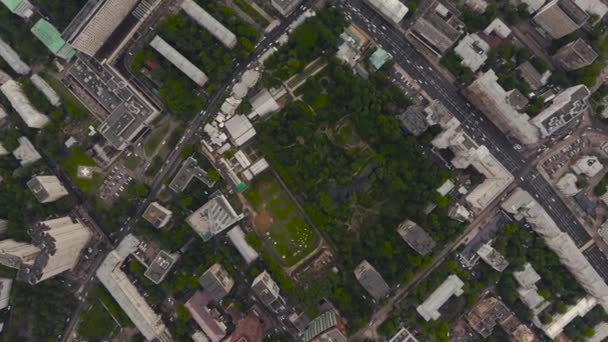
[{"x": 263, "y": 221}]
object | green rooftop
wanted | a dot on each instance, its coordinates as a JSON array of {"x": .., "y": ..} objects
[
  {"x": 12, "y": 4},
  {"x": 48, "y": 35},
  {"x": 379, "y": 57}
]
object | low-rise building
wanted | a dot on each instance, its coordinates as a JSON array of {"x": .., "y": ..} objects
[
  {"x": 575, "y": 55},
  {"x": 567, "y": 185},
  {"x": 22, "y": 8},
  {"x": 157, "y": 215},
  {"x": 437, "y": 28},
  {"x": 160, "y": 267},
  {"x": 379, "y": 58},
  {"x": 416, "y": 237},
  {"x": 46, "y": 189},
  {"x": 328, "y": 326},
  {"x": 564, "y": 109},
  {"x": 532, "y": 76},
  {"x": 5, "y": 292},
  {"x": 478, "y": 6},
  {"x": 248, "y": 329},
  {"x": 213, "y": 217},
  {"x": 588, "y": 166},
  {"x": 206, "y": 318},
  {"x": 492, "y": 257},
  {"x": 528, "y": 291},
  {"x": 216, "y": 282},
  {"x": 391, "y": 10},
  {"x": 240, "y": 130},
  {"x": 560, "y": 321},
  {"x": 429, "y": 309},
  {"x": 26, "y": 153},
  {"x": 179, "y": 61},
  {"x": 559, "y": 18},
  {"x": 33, "y": 118},
  {"x": 371, "y": 280},
  {"x": 263, "y": 103},
  {"x": 11, "y": 57},
  {"x": 473, "y": 51},
  {"x": 237, "y": 237},
  {"x": 490, "y": 312},
  {"x": 42, "y": 85},
  {"x": 499, "y": 28}
]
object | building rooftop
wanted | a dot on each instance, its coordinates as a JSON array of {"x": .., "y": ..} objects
[
  {"x": 46, "y": 89},
  {"x": 371, "y": 280},
  {"x": 157, "y": 215},
  {"x": 11, "y": 57},
  {"x": 560, "y": 17},
  {"x": 179, "y": 61},
  {"x": 391, "y": 10},
  {"x": 416, "y": 237},
  {"x": 188, "y": 171},
  {"x": 564, "y": 109},
  {"x": 26, "y": 153},
  {"x": 532, "y": 76},
  {"x": 206, "y": 318},
  {"x": 216, "y": 281},
  {"x": 100, "y": 26},
  {"x": 499, "y": 28},
  {"x": 524, "y": 207},
  {"x": 263, "y": 103},
  {"x": 208, "y": 22},
  {"x": 22, "y": 105},
  {"x": 575, "y": 55},
  {"x": 321, "y": 325},
  {"x": 438, "y": 28},
  {"x": 266, "y": 289},
  {"x": 213, "y": 217},
  {"x": 248, "y": 329},
  {"x": 414, "y": 120},
  {"x": 239, "y": 129},
  {"x": 487, "y": 95},
  {"x": 473, "y": 50},
  {"x": 429, "y": 309},
  {"x": 588, "y": 166},
  {"x": 527, "y": 277},
  {"x": 46, "y": 188},
  {"x": 51, "y": 38},
  {"x": 126, "y": 294},
  {"x": 468, "y": 153},
  {"x": 160, "y": 267},
  {"x": 237, "y": 237},
  {"x": 567, "y": 184},
  {"x": 123, "y": 110},
  {"x": 492, "y": 257},
  {"x": 560, "y": 321}
]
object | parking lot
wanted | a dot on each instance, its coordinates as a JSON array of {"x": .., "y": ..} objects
[
  {"x": 558, "y": 162},
  {"x": 115, "y": 183}
]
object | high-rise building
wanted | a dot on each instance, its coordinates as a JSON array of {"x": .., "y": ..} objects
[
  {"x": 216, "y": 282},
  {"x": 371, "y": 280},
  {"x": 266, "y": 289},
  {"x": 108, "y": 15},
  {"x": 46, "y": 189},
  {"x": 56, "y": 247},
  {"x": 575, "y": 55}
]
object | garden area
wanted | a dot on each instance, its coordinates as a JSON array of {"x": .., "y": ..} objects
[
  {"x": 78, "y": 157},
  {"x": 279, "y": 221}
]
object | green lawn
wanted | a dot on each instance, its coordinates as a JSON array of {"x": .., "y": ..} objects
[
  {"x": 70, "y": 165},
  {"x": 96, "y": 324},
  {"x": 279, "y": 221},
  {"x": 154, "y": 140}
]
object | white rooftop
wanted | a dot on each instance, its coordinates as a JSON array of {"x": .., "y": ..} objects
[
  {"x": 219, "y": 31},
  {"x": 473, "y": 50},
  {"x": 588, "y": 166},
  {"x": 179, "y": 61},
  {"x": 567, "y": 184},
  {"x": 30, "y": 115},
  {"x": 429, "y": 309},
  {"x": 26, "y": 153},
  {"x": 240, "y": 129},
  {"x": 391, "y": 10},
  {"x": 237, "y": 237}
]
